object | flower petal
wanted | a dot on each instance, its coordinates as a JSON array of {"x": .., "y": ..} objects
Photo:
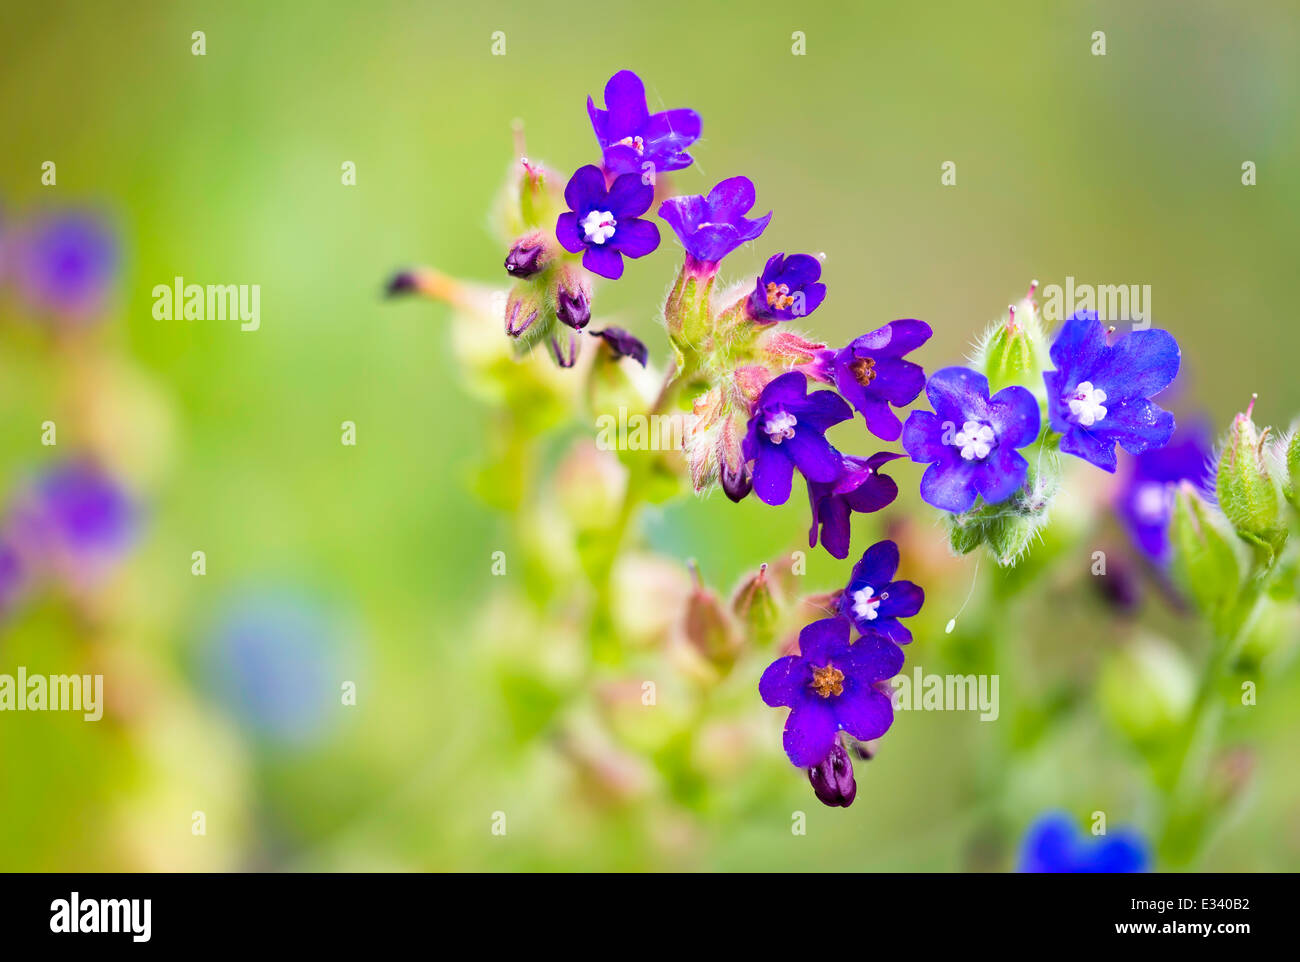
[
  {"x": 864, "y": 712},
  {"x": 635, "y": 237},
  {"x": 810, "y": 732},
  {"x": 604, "y": 261},
  {"x": 1140, "y": 364},
  {"x": 785, "y": 682},
  {"x": 773, "y": 475}
]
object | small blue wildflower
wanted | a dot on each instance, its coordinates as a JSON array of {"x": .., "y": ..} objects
[
  {"x": 1055, "y": 843},
  {"x": 604, "y": 224},
  {"x": 787, "y": 429},
  {"x": 874, "y": 601},
  {"x": 711, "y": 227},
  {"x": 1145, "y": 502},
  {"x": 631, "y": 137},
  {"x": 831, "y": 686},
  {"x": 860, "y": 488},
  {"x": 64, "y": 264},
  {"x": 970, "y": 439},
  {"x": 789, "y": 287},
  {"x": 871, "y": 373},
  {"x": 1100, "y": 393}
]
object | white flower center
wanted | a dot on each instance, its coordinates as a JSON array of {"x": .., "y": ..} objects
[
  {"x": 780, "y": 426},
  {"x": 636, "y": 143},
  {"x": 598, "y": 226},
  {"x": 1151, "y": 502},
  {"x": 865, "y": 603},
  {"x": 975, "y": 440},
  {"x": 1086, "y": 408}
]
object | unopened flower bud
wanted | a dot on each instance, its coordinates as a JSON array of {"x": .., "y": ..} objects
[
  {"x": 621, "y": 343},
  {"x": 1291, "y": 455},
  {"x": 1204, "y": 560},
  {"x": 524, "y": 309},
  {"x": 832, "y": 780},
  {"x": 573, "y": 297},
  {"x": 564, "y": 347},
  {"x": 733, "y": 472},
  {"x": 755, "y": 606},
  {"x": 1012, "y": 352},
  {"x": 528, "y": 255},
  {"x": 1248, "y": 493},
  {"x": 1146, "y": 690},
  {"x": 708, "y": 627}
]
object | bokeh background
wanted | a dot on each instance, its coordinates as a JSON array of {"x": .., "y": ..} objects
[{"x": 372, "y": 563}]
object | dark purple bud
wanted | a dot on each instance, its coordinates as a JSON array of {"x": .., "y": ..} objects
[
  {"x": 736, "y": 484},
  {"x": 832, "y": 779},
  {"x": 572, "y": 297},
  {"x": 403, "y": 282},
  {"x": 522, "y": 308},
  {"x": 623, "y": 344},
  {"x": 566, "y": 355},
  {"x": 525, "y": 258}
]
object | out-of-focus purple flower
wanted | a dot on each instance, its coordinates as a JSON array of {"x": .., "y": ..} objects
[
  {"x": 832, "y": 780},
  {"x": 13, "y": 575},
  {"x": 623, "y": 344},
  {"x": 1145, "y": 502},
  {"x": 789, "y": 287},
  {"x": 1100, "y": 393},
  {"x": 630, "y": 136},
  {"x": 64, "y": 264},
  {"x": 606, "y": 224},
  {"x": 75, "y": 522},
  {"x": 711, "y": 227},
  {"x": 871, "y": 374},
  {"x": 831, "y": 686},
  {"x": 861, "y": 488},
  {"x": 970, "y": 439},
  {"x": 874, "y": 601},
  {"x": 275, "y": 661},
  {"x": 1055, "y": 843},
  {"x": 787, "y": 429}
]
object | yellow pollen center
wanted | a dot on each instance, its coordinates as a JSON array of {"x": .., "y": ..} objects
[
  {"x": 864, "y": 370},
  {"x": 828, "y": 681},
  {"x": 778, "y": 296}
]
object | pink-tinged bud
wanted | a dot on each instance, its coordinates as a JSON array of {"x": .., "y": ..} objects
[
  {"x": 787, "y": 349},
  {"x": 572, "y": 296},
  {"x": 708, "y": 627},
  {"x": 528, "y": 255},
  {"x": 749, "y": 382}
]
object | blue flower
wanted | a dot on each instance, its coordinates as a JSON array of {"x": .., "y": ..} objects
[
  {"x": 606, "y": 224},
  {"x": 860, "y": 488},
  {"x": 789, "y": 287},
  {"x": 1145, "y": 502},
  {"x": 970, "y": 439},
  {"x": 831, "y": 686},
  {"x": 787, "y": 429},
  {"x": 874, "y": 601},
  {"x": 871, "y": 373},
  {"x": 712, "y": 227},
  {"x": 630, "y": 136},
  {"x": 1100, "y": 393},
  {"x": 1055, "y": 843}
]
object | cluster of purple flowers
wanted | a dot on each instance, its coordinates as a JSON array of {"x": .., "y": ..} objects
[{"x": 70, "y": 525}]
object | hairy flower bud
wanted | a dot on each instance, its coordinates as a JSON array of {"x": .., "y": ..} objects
[
  {"x": 1247, "y": 491},
  {"x": 1013, "y": 351},
  {"x": 528, "y": 255},
  {"x": 1291, "y": 455},
  {"x": 572, "y": 296},
  {"x": 832, "y": 780},
  {"x": 1204, "y": 561},
  {"x": 708, "y": 626},
  {"x": 755, "y": 605}
]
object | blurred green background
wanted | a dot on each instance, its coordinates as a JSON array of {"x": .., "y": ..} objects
[{"x": 225, "y": 169}]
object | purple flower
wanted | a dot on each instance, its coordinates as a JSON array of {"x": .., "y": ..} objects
[
  {"x": 712, "y": 227},
  {"x": 970, "y": 439},
  {"x": 1100, "y": 393},
  {"x": 874, "y": 602},
  {"x": 13, "y": 575},
  {"x": 76, "y": 521},
  {"x": 64, "y": 264},
  {"x": 787, "y": 429},
  {"x": 1055, "y": 843},
  {"x": 832, "y": 779},
  {"x": 1145, "y": 503},
  {"x": 605, "y": 224},
  {"x": 630, "y": 136},
  {"x": 871, "y": 374},
  {"x": 788, "y": 288},
  {"x": 623, "y": 344},
  {"x": 861, "y": 488},
  {"x": 831, "y": 686}
]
